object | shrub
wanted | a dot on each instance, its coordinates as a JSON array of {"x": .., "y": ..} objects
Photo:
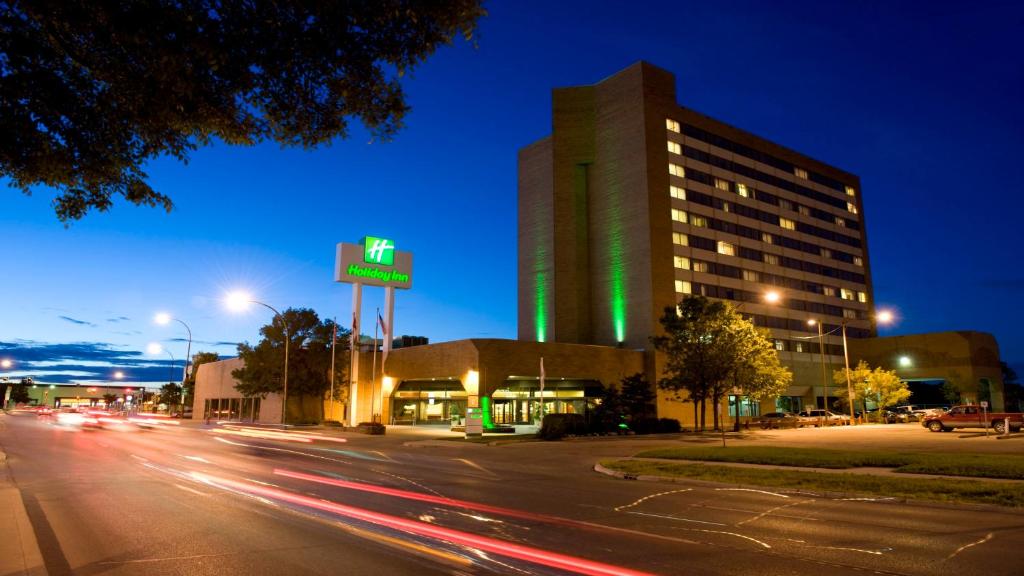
[
  {"x": 669, "y": 426},
  {"x": 557, "y": 426}
]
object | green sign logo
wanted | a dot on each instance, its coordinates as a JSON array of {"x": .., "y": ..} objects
[{"x": 378, "y": 251}]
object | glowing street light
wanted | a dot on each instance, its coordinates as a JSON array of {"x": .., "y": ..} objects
[
  {"x": 239, "y": 301},
  {"x": 6, "y": 363},
  {"x": 772, "y": 297},
  {"x": 906, "y": 362}
]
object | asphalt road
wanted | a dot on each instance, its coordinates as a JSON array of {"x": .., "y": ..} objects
[{"x": 195, "y": 501}]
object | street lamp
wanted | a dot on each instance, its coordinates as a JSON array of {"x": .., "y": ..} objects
[
  {"x": 821, "y": 348},
  {"x": 238, "y": 302},
  {"x": 163, "y": 319},
  {"x": 883, "y": 317},
  {"x": 155, "y": 348}
]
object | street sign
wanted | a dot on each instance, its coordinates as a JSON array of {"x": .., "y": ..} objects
[{"x": 984, "y": 404}]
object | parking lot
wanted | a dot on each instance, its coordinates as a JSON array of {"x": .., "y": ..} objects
[{"x": 895, "y": 437}]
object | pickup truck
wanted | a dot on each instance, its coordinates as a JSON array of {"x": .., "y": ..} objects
[{"x": 970, "y": 416}]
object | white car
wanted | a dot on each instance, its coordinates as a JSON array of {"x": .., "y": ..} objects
[{"x": 822, "y": 418}]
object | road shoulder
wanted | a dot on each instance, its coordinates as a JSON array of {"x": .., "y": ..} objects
[{"x": 19, "y": 550}]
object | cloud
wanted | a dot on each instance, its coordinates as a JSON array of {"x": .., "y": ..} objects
[
  {"x": 203, "y": 342},
  {"x": 119, "y": 319},
  {"x": 75, "y": 321},
  {"x": 61, "y": 363}
]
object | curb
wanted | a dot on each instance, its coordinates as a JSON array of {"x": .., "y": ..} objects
[{"x": 19, "y": 549}]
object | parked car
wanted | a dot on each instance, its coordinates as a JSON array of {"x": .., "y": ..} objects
[
  {"x": 822, "y": 418},
  {"x": 970, "y": 416},
  {"x": 776, "y": 420}
]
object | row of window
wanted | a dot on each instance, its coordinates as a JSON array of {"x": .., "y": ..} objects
[
  {"x": 758, "y": 255},
  {"x": 769, "y": 217},
  {"x": 753, "y": 233},
  {"x": 773, "y": 322},
  {"x": 807, "y": 347},
  {"x": 748, "y": 191},
  {"x": 757, "y": 156},
  {"x": 687, "y": 287},
  {"x": 720, "y": 269},
  {"x": 765, "y": 178}
]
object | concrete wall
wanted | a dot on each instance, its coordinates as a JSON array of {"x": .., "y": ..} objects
[{"x": 214, "y": 380}]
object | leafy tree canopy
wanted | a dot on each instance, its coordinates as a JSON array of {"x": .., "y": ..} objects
[
  {"x": 878, "y": 385},
  {"x": 170, "y": 394},
  {"x": 309, "y": 356},
  {"x": 91, "y": 91}
]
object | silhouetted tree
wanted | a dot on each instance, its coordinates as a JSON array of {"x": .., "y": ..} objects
[{"x": 90, "y": 92}]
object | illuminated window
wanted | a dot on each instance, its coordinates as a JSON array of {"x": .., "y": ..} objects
[
  {"x": 679, "y": 215},
  {"x": 699, "y": 221},
  {"x": 804, "y": 210},
  {"x": 725, "y": 207},
  {"x": 771, "y": 259},
  {"x": 826, "y": 253},
  {"x": 858, "y": 261},
  {"x": 862, "y": 297},
  {"x": 800, "y": 173},
  {"x": 828, "y": 290},
  {"x": 798, "y": 346},
  {"x": 676, "y": 170},
  {"x": 722, "y": 184},
  {"x": 741, "y": 189},
  {"x": 726, "y": 248},
  {"x": 846, "y": 294},
  {"x": 787, "y": 223},
  {"x": 851, "y": 207},
  {"x": 672, "y": 125},
  {"x": 683, "y": 287},
  {"x": 674, "y": 147},
  {"x": 780, "y": 345},
  {"x": 850, "y": 191},
  {"x": 751, "y": 276},
  {"x": 677, "y": 192},
  {"x": 847, "y": 313},
  {"x": 699, "y": 266},
  {"x": 841, "y": 222},
  {"x": 680, "y": 239},
  {"x": 767, "y": 238},
  {"x": 681, "y": 262}
]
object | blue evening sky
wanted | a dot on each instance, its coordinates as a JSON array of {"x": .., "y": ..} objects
[{"x": 921, "y": 100}]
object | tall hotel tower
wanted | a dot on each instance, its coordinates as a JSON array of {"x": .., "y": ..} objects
[{"x": 634, "y": 201}]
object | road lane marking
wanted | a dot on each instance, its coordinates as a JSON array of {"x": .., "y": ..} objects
[
  {"x": 196, "y": 459},
  {"x": 987, "y": 537},
  {"x": 737, "y": 535},
  {"x": 139, "y": 458},
  {"x": 637, "y": 502},
  {"x": 676, "y": 518},
  {"x": 475, "y": 465},
  {"x": 752, "y": 490},
  {"x": 770, "y": 510}
]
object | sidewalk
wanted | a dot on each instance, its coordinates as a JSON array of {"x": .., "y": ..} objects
[{"x": 19, "y": 551}]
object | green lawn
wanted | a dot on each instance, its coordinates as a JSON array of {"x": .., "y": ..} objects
[
  {"x": 936, "y": 489},
  {"x": 975, "y": 465}
]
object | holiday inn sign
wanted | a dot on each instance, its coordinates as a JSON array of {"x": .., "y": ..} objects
[{"x": 374, "y": 262}]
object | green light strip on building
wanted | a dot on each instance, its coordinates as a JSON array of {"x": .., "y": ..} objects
[
  {"x": 540, "y": 301},
  {"x": 485, "y": 406},
  {"x": 618, "y": 290}
]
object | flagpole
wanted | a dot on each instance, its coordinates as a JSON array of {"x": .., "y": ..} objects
[
  {"x": 373, "y": 372},
  {"x": 334, "y": 341},
  {"x": 542, "y": 390}
]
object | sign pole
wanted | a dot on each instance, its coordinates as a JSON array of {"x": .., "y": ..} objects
[{"x": 353, "y": 390}]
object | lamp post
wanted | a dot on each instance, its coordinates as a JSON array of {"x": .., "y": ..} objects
[
  {"x": 164, "y": 318},
  {"x": 770, "y": 297},
  {"x": 884, "y": 317},
  {"x": 238, "y": 301},
  {"x": 824, "y": 371},
  {"x": 155, "y": 348}
]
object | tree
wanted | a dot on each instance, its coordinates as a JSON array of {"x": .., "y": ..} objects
[
  {"x": 608, "y": 414},
  {"x": 109, "y": 399},
  {"x": 709, "y": 348},
  {"x": 881, "y": 386},
  {"x": 19, "y": 393},
  {"x": 309, "y": 361},
  {"x": 170, "y": 394},
  {"x": 92, "y": 91},
  {"x": 1013, "y": 392},
  {"x": 198, "y": 359},
  {"x": 637, "y": 398}
]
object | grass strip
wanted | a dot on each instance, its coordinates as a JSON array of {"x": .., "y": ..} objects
[
  {"x": 933, "y": 489},
  {"x": 973, "y": 465}
]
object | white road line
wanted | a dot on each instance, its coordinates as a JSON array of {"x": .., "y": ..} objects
[
  {"x": 751, "y": 490},
  {"x": 769, "y": 511},
  {"x": 192, "y": 490},
  {"x": 621, "y": 508},
  {"x": 676, "y": 518},
  {"x": 987, "y": 537}
]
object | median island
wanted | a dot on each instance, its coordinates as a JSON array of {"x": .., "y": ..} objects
[{"x": 978, "y": 478}]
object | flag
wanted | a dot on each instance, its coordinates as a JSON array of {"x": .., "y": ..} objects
[
  {"x": 542, "y": 375},
  {"x": 383, "y": 326}
]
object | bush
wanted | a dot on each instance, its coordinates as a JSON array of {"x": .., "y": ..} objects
[
  {"x": 644, "y": 425},
  {"x": 669, "y": 426},
  {"x": 373, "y": 428},
  {"x": 557, "y": 426}
]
